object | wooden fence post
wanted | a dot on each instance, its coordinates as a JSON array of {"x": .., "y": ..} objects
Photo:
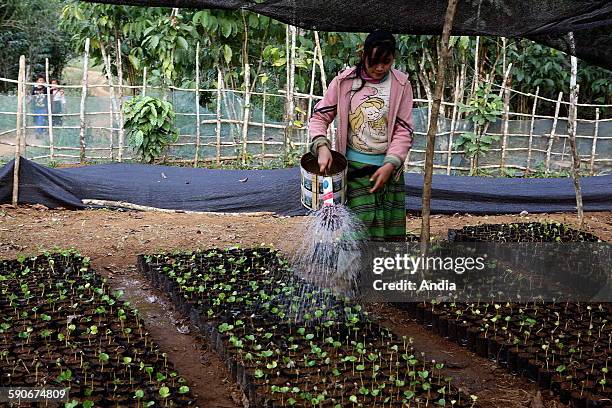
[
  {"x": 114, "y": 106},
  {"x": 263, "y": 127},
  {"x": 20, "y": 134},
  {"x": 120, "y": 108},
  {"x": 49, "y": 110},
  {"x": 197, "y": 105},
  {"x": 83, "y": 98},
  {"x": 218, "y": 124},
  {"x": 552, "y": 132},
  {"x": 290, "y": 105},
  {"x": 144, "y": 76},
  {"x": 531, "y": 126},
  {"x": 594, "y": 146},
  {"x": 452, "y": 129},
  {"x": 506, "y": 118}
]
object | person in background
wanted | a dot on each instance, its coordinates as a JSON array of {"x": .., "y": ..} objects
[
  {"x": 39, "y": 105},
  {"x": 58, "y": 103},
  {"x": 373, "y": 104}
]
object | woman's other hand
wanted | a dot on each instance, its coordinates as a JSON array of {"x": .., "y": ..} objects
[
  {"x": 381, "y": 176},
  {"x": 324, "y": 157}
]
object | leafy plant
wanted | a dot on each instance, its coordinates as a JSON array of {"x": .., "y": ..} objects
[
  {"x": 149, "y": 123},
  {"x": 483, "y": 109}
]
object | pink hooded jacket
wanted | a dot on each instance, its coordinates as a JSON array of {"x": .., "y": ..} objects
[{"x": 336, "y": 102}]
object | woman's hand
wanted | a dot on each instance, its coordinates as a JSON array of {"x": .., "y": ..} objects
[
  {"x": 381, "y": 176},
  {"x": 324, "y": 158}
]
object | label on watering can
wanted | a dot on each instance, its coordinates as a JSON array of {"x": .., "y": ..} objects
[{"x": 328, "y": 191}]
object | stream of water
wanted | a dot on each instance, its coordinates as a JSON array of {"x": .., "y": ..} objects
[{"x": 329, "y": 254}]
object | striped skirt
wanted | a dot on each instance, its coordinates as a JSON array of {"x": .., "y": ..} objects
[{"x": 383, "y": 212}]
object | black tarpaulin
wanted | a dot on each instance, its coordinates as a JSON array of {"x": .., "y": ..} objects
[
  {"x": 278, "y": 191},
  {"x": 547, "y": 22}
]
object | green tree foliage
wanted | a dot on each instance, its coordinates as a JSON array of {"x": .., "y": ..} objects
[
  {"x": 164, "y": 40},
  {"x": 31, "y": 28},
  {"x": 149, "y": 123}
]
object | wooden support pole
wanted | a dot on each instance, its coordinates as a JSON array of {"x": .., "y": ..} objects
[
  {"x": 553, "y": 131},
  {"x": 594, "y": 146},
  {"x": 114, "y": 106},
  {"x": 120, "y": 91},
  {"x": 433, "y": 125},
  {"x": 246, "y": 108},
  {"x": 20, "y": 134},
  {"x": 246, "y": 112},
  {"x": 218, "y": 124},
  {"x": 506, "y": 119},
  {"x": 83, "y": 98},
  {"x": 144, "y": 75},
  {"x": 531, "y": 126},
  {"x": 320, "y": 61},
  {"x": 263, "y": 127},
  {"x": 197, "y": 105},
  {"x": 110, "y": 129},
  {"x": 571, "y": 132},
  {"x": 49, "y": 110},
  {"x": 290, "y": 104},
  {"x": 331, "y": 130},
  {"x": 311, "y": 89},
  {"x": 452, "y": 129}
]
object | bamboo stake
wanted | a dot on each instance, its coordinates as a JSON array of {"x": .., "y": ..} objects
[
  {"x": 144, "y": 75},
  {"x": 594, "y": 146},
  {"x": 197, "y": 105},
  {"x": 476, "y": 79},
  {"x": 433, "y": 125},
  {"x": 49, "y": 110},
  {"x": 83, "y": 98},
  {"x": 453, "y": 125},
  {"x": 552, "y": 132},
  {"x": 138, "y": 207},
  {"x": 571, "y": 132},
  {"x": 113, "y": 100},
  {"x": 320, "y": 61},
  {"x": 505, "y": 125},
  {"x": 120, "y": 91},
  {"x": 111, "y": 132},
  {"x": 331, "y": 129},
  {"x": 20, "y": 135},
  {"x": 218, "y": 125},
  {"x": 311, "y": 90},
  {"x": 246, "y": 112},
  {"x": 263, "y": 127},
  {"x": 531, "y": 126},
  {"x": 290, "y": 54},
  {"x": 462, "y": 83}
]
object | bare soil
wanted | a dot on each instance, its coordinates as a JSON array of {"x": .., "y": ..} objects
[{"x": 113, "y": 239}]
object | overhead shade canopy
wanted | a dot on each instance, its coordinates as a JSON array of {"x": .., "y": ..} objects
[{"x": 545, "y": 21}]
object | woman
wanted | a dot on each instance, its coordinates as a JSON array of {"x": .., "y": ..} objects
[
  {"x": 373, "y": 103},
  {"x": 39, "y": 105},
  {"x": 58, "y": 103}
]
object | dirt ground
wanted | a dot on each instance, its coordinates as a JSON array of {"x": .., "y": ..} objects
[{"x": 113, "y": 239}]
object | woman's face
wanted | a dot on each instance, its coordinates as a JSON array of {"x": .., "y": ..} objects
[{"x": 378, "y": 70}]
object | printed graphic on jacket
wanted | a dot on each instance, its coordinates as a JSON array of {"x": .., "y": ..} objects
[{"x": 368, "y": 117}]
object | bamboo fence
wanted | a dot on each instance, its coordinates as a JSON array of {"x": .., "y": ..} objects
[{"x": 551, "y": 147}]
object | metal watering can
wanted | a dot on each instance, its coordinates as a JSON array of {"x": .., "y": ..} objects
[{"x": 319, "y": 189}]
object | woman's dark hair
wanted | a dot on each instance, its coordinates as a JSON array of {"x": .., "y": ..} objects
[{"x": 380, "y": 41}]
